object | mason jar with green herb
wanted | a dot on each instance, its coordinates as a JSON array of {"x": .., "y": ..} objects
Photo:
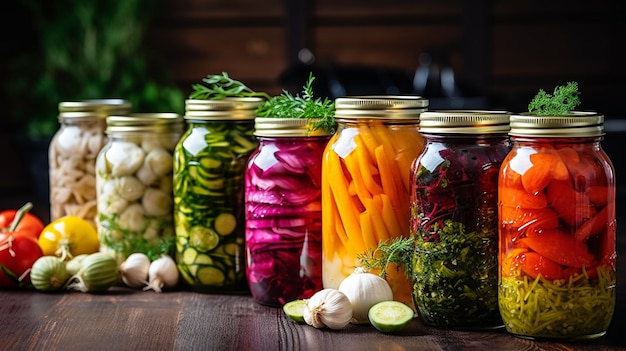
[
  {"x": 134, "y": 185},
  {"x": 454, "y": 184},
  {"x": 209, "y": 168},
  {"x": 557, "y": 222}
]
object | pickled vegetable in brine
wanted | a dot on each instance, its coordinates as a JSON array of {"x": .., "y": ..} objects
[
  {"x": 365, "y": 195},
  {"x": 284, "y": 219},
  {"x": 209, "y": 167},
  {"x": 557, "y": 245}
]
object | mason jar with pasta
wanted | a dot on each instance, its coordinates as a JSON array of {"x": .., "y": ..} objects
[
  {"x": 134, "y": 184},
  {"x": 365, "y": 183},
  {"x": 72, "y": 155}
]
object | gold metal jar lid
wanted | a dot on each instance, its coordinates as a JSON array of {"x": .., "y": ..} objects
[
  {"x": 406, "y": 107},
  {"x": 231, "y": 108},
  {"x": 146, "y": 122},
  {"x": 95, "y": 108},
  {"x": 464, "y": 122},
  {"x": 575, "y": 124},
  {"x": 287, "y": 127}
]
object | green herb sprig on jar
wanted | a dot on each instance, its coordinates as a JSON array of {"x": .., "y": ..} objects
[
  {"x": 220, "y": 86},
  {"x": 306, "y": 105},
  {"x": 562, "y": 101}
]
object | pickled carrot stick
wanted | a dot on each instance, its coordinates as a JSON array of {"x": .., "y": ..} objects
[
  {"x": 346, "y": 206},
  {"x": 392, "y": 186},
  {"x": 369, "y": 238},
  {"x": 353, "y": 167},
  {"x": 392, "y": 221},
  {"x": 369, "y": 139},
  {"x": 374, "y": 207},
  {"x": 382, "y": 133},
  {"x": 403, "y": 166},
  {"x": 364, "y": 166}
]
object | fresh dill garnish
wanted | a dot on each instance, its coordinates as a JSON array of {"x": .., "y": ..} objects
[
  {"x": 560, "y": 103},
  {"x": 398, "y": 251},
  {"x": 220, "y": 86},
  {"x": 288, "y": 105}
]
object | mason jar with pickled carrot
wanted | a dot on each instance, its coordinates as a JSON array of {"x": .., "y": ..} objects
[
  {"x": 365, "y": 183},
  {"x": 557, "y": 228}
]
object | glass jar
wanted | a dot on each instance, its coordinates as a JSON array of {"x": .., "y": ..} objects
[
  {"x": 365, "y": 183},
  {"x": 284, "y": 211},
  {"x": 454, "y": 207},
  {"x": 72, "y": 156},
  {"x": 134, "y": 185},
  {"x": 209, "y": 168},
  {"x": 557, "y": 228}
]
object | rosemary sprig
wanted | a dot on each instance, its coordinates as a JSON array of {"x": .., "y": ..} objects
[
  {"x": 398, "y": 251},
  {"x": 561, "y": 102},
  {"x": 288, "y": 105},
  {"x": 219, "y": 86}
]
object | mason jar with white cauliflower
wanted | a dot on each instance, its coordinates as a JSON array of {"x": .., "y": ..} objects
[
  {"x": 134, "y": 184},
  {"x": 72, "y": 155}
]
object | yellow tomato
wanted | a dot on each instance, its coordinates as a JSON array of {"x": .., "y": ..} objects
[{"x": 69, "y": 236}]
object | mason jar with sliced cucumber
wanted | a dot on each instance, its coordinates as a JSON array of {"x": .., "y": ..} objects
[{"x": 209, "y": 167}]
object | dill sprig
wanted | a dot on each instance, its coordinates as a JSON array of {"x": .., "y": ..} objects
[
  {"x": 398, "y": 251},
  {"x": 288, "y": 105},
  {"x": 220, "y": 86},
  {"x": 560, "y": 103}
]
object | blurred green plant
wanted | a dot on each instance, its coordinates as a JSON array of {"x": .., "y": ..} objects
[{"x": 87, "y": 49}]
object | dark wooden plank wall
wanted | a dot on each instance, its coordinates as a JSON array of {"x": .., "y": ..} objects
[{"x": 501, "y": 49}]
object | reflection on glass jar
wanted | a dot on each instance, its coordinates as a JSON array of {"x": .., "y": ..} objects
[
  {"x": 209, "y": 167},
  {"x": 454, "y": 184},
  {"x": 134, "y": 185},
  {"x": 284, "y": 211},
  {"x": 557, "y": 228}
]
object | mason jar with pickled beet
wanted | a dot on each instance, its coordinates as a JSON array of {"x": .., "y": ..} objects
[
  {"x": 557, "y": 228},
  {"x": 284, "y": 210},
  {"x": 454, "y": 218},
  {"x": 209, "y": 213},
  {"x": 134, "y": 185},
  {"x": 72, "y": 155},
  {"x": 365, "y": 183}
]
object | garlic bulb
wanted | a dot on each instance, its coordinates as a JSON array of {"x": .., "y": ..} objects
[
  {"x": 328, "y": 308},
  {"x": 135, "y": 270},
  {"x": 162, "y": 273},
  {"x": 364, "y": 290}
]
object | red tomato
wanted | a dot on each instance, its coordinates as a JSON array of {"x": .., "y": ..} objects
[
  {"x": 17, "y": 255},
  {"x": 29, "y": 225}
]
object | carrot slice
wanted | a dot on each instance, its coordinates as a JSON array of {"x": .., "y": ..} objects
[
  {"x": 560, "y": 248},
  {"x": 600, "y": 195},
  {"x": 537, "y": 177},
  {"x": 534, "y": 264},
  {"x": 593, "y": 226},
  {"x": 516, "y": 197},
  {"x": 572, "y": 206}
]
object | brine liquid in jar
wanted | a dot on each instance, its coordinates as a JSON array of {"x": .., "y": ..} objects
[
  {"x": 557, "y": 228},
  {"x": 365, "y": 183},
  {"x": 284, "y": 211},
  {"x": 454, "y": 218},
  {"x": 209, "y": 211},
  {"x": 134, "y": 185},
  {"x": 72, "y": 156}
]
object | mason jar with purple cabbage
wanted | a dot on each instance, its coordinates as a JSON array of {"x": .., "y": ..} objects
[{"x": 284, "y": 211}]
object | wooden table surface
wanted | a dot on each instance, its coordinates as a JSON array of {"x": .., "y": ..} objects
[{"x": 126, "y": 319}]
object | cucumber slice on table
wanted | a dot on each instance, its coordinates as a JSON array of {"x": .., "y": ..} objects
[
  {"x": 390, "y": 316},
  {"x": 295, "y": 310}
]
